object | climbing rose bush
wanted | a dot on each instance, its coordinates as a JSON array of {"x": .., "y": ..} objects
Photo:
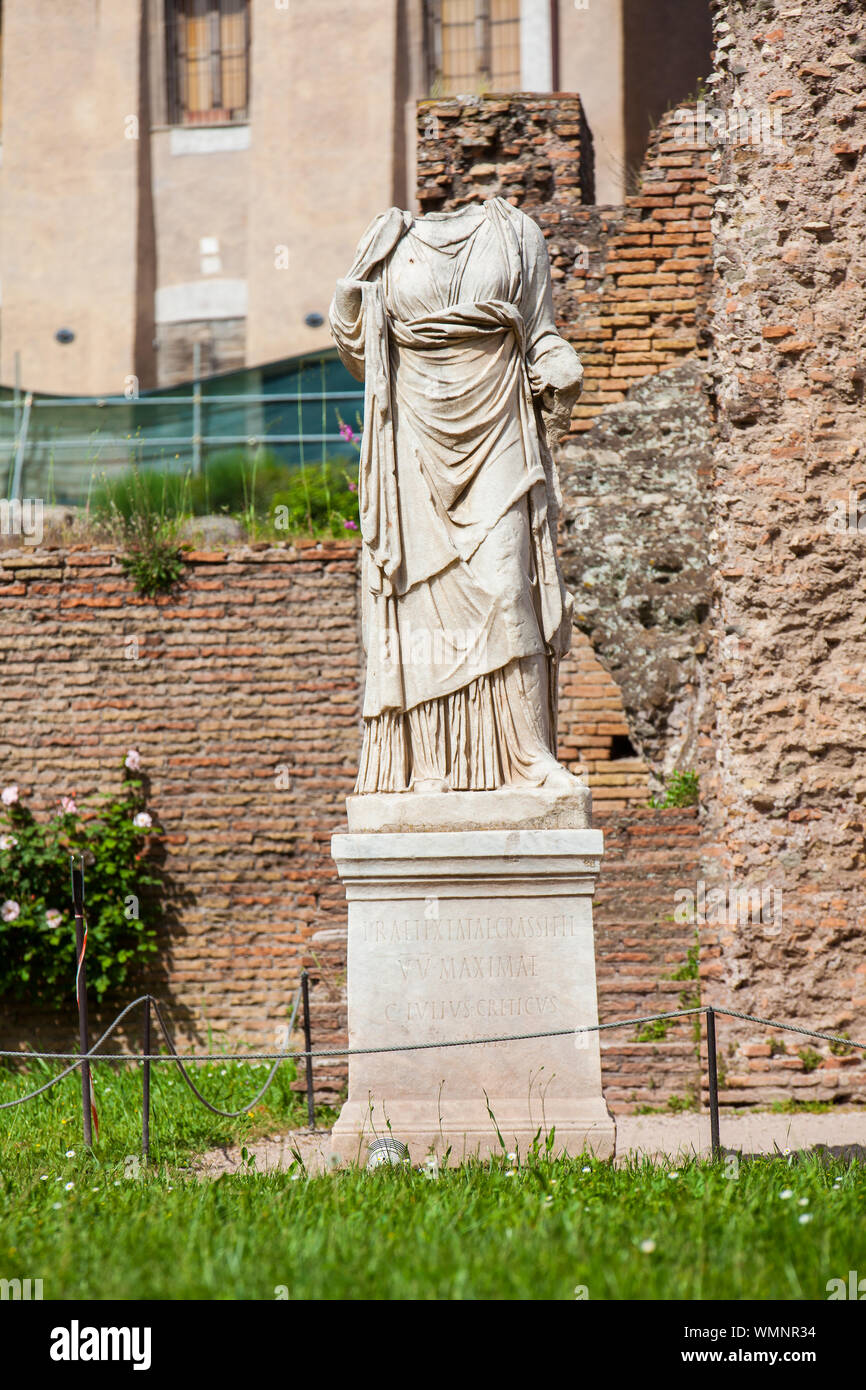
[{"x": 37, "y": 926}]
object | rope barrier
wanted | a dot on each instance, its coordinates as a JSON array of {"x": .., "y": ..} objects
[
  {"x": 179, "y": 1058},
  {"x": 87, "y": 1054},
  {"x": 342, "y": 1051},
  {"x": 41, "y": 1056},
  {"x": 791, "y": 1028},
  {"x": 226, "y": 1114}
]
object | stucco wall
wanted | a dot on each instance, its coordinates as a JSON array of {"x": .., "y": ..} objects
[{"x": 70, "y": 192}]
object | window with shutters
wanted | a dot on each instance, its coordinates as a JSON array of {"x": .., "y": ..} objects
[
  {"x": 473, "y": 46},
  {"x": 207, "y": 60}
]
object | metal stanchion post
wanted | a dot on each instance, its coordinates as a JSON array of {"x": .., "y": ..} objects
[
  {"x": 77, "y": 864},
  {"x": 311, "y": 1102},
  {"x": 713, "y": 1076},
  {"x": 145, "y": 1084}
]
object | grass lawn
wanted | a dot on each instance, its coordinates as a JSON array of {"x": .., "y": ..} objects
[{"x": 533, "y": 1229}]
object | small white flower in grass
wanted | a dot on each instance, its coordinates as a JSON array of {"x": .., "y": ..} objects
[
  {"x": 510, "y": 1173},
  {"x": 70, "y": 1153},
  {"x": 133, "y": 760},
  {"x": 807, "y": 1216},
  {"x": 586, "y": 1170},
  {"x": 673, "y": 1175},
  {"x": 647, "y": 1246},
  {"x": 786, "y": 1193},
  {"x": 44, "y": 1177},
  {"x": 512, "y": 1158},
  {"x": 69, "y": 1186},
  {"x": 7, "y": 842},
  {"x": 94, "y": 1189},
  {"x": 548, "y": 1198},
  {"x": 56, "y": 1205},
  {"x": 142, "y": 821},
  {"x": 802, "y": 1201},
  {"x": 9, "y": 795},
  {"x": 117, "y": 1184},
  {"x": 10, "y": 910}
]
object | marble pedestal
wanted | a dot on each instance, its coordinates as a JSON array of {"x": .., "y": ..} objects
[{"x": 481, "y": 931}]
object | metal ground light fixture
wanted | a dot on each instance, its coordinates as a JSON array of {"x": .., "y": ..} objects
[{"x": 386, "y": 1151}]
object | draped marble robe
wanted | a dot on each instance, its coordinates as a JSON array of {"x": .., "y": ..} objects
[{"x": 448, "y": 319}]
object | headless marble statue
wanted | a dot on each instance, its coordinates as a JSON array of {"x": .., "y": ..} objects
[{"x": 448, "y": 319}]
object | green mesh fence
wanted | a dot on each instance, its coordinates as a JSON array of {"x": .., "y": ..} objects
[{"x": 60, "y": 448}]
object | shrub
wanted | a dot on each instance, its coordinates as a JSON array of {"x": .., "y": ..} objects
[
  {"x": 656, "y": 1030},
  {"x": 318, "y": 501},
  {"x": 37, "y": 939},
  {"x": 810, "y": 1058},
  {"x": 680, "y": 789},
  {"x": 144, "y": 510},
  {"x": 144, "y": 513}
]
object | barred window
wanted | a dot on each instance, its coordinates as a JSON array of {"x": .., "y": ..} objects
[
  {"x": 207, "y": 52},
  {"x": 473, "y": 46}
]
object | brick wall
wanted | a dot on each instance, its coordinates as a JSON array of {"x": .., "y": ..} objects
[
  {"x": 784, "y": 776},
  {"x": 594, "y": 736},
  {"x": 648, "y": 856},
  {"x": 533, "y": 149},
  {"x": 630, "y": 283},
  {"x": 250, "y": 667}
]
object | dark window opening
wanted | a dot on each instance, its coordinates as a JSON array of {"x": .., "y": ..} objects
[
  {"x": 658, "y": 73},
  {"x": 621, "y": 746}
]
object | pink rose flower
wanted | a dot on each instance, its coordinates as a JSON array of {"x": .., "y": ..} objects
[
  {"x": 133, "y": 760},
  {"x": 10, "y": 910},
  {"x": 142, "y": 821},
  {"x": 68, "y": 806},
  {"x": 7, "y": 842},
  {"x": 9, "y": 796}
]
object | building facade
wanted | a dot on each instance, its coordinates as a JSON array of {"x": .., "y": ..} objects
[{"x": 198, "y": 171}]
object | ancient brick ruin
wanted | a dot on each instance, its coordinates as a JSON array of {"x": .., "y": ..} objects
[{"x": 712, "y": 532}]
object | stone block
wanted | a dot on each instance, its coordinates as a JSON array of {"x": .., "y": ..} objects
[{"x": 466, "y": 934}]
